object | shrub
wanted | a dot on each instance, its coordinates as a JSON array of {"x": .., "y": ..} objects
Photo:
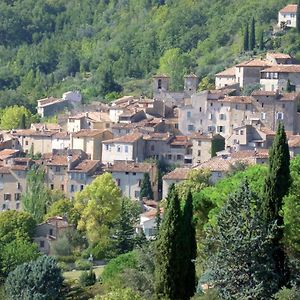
[
  {"x": 66, "y": 259},
  {"x": 87, "y": 278},
  {"x": 83, "y": 264}
]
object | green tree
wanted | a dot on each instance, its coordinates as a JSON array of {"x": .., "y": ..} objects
[
  {"x": 206, "y": 83},
  {"x": 11, "y": 117},
  {"x": 16, "y": 225},
  {"x": 252, "y": 38},
  {"x": 99, "y": 204},
  {"x": 167, "y": 258},
  {"x": 292, "y": 293},
  {"x": 277, "y": 185},
  {"x": 243, "y": 267},
  {"x": 246, "y": 37},
  {"x": 34, "y": 200},
  {"x": 124, "y": 235},
  {"x": 117, "y": 294},
  {"x": 289, "y": 87},
  {"x": 298, "y": 17},
  {"x": 261, "y": 41},
  {"x": 16, "y": 253},
  {"x": 39, "y": 279},
  {"x": 146, "y": 189}
]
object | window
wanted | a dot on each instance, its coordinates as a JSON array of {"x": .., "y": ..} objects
[
  {"x": 210, "y": 116},
  {"x": 133, "y": 173},
  {"x": 201, "y": 122},
  {"x": 283, "y": 105},
  {"x": 118, "y": 148},
  {"x": 26, "y": 143},
  {"x": 200, "y": 109},
  {"x": 211, "y": 104},
  {"x": 242, "y": 132},
  {"x": 81, "y": 187},
  {"x": 72, "y": 189},
  {"x": 57, "y": 169},
  {"x": 18, "y": 185},
  {"x": 139, "y": 182},
  {"x": 279, "y": 116},
  {"x": 246, "y": 106},
  {"x": 190, "y": 127},
  {"x": 51, "y": 231},
  {"x": 52, "y": 186},
  {"x": 7, "y": 197},
  {"x": 159, "y": 84},
  {"x": 263, "y": 115},
  {"x": 188, "y": 114},
  {"x": 42, "y": 244},
  {"x": 236, "y": 106},
  {"x": 222, "y": 116},
  {"x": 118, "y": 181},
  {"x": 221, "y": 129},
  {"x": 169, "y": 156},
  {"x": 199, "y": 143},
  {"x": 126, "y": 173},
  {"x": 126, "y": 148},
  {"x": 106, "y": 147},
  {"x": 199, "y": 152},
  {"x": 179, "y": 157},
  {"x": 262, "y": 105},
  {"x": 62, "y": 187},
  {"x": 211, "y": 128},
  {"x": 137, "y": 194},
  {"x": 17, "y": 196}
]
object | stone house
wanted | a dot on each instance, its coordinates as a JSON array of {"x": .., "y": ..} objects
[
  {"x": 205, "y": 146},
  {"x": 50, "y": 231},
  {"x": 225, "y": 78},
  {"x": 287, "y": 16},
  {"x": 129, "y": 176},
  {"x": 277, "y": 77},
  {"x": 279, "y": 58},
  {"x": 130, "y": 147},
  {"x": 176, "y": 176},
  {"x": 90, "y": 141},
  {"x": 61, "y": 141}
]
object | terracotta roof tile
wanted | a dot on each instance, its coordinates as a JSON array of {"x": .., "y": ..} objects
[
  {"x": 217, "y": 164},
  {"x": 238, "y": 99},
  {"x": 294, "y": 141},
  {"x": 6, "y": 153},
  {"x": 88, "y": 132},
  {"x": 279, "y": 55},
  {"x": 178, "y": 174},
  {"x": 230, "y": 72},
  {"x": 291, "y": 8},
  {"x": 85, "y": 166},
  {"x": 30, "y": 132},
  {"x": 254, "y": 63},
  {"x": 129, "y": 167},
  {"x": 263, "y": 93},
  {"x": 283, "y": 69},
  {"x": 290, "y": 97},
  {"x": 128, "y": 138}
]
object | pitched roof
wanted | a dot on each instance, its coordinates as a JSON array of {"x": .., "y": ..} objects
[
  {"x": 61, "y": 135},
  {"x": 263, "y": 93},
  {"x": 290, "y": 8},
  {"x": 254, "y": 63},
  {"x": 130, "y": 167},
  {"x": 279, "y": 55},
  {"x": 237, "y": 99},
  {"x": 85, "y": 166},
  {"x": 88, "y": 132},
  {"x": 191, "y": 75},
  {"x": 230, "y": 72},
  {"x": 128, "y": 138},
  {"x": 283, "y": 69},
  {"x": 178, "y": 174},
  {"x": 6, "y": 153},
  {"x": 180, "y": 140},
  {"x": 4, "y": 170},
  {"x": 30, "y": 132},
  {"x": 294, "y": 141},
  {"x": 289, "y": 96},
  {"x": 216, "y": 164}
]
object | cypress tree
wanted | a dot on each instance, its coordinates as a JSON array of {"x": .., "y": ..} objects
[
  {"x": 243, "y": 267},
  {"x": 261, "y": 41},
  {"x": 252, "y": 37},
  {"x": 298, "y": 17},
  {"x": 146, "y": 189},
  {"x": 157, "y": 219},
  {"x": 23, "y": 122},
  {"x": 189, "y": 251},
  {"x": 167, "y": 255},
  {"x": 277, "y": 185},
  {"x": 246, "y": 38}
]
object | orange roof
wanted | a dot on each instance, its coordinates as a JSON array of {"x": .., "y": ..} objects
[
  {"x": 178, "y": 174},
  {"x": 86, "y": 166},
  {"x": 128, "y": 138},
  {"x": 283, "y": 69},
  {"x": 279, "y": 55},
  {"x": 217, "y": 164},
  {"x": 254, "y": 63},
  {"x": 291, "y": 8},
  {"x": 230, "y": 72},
  {"x": 6, "y": 153},
  {"x": 294, "y": 141},
  {"x": 289, "y": 97},
  {"x": 88, "y": 132},
  {"x": 263, "y": 93}
]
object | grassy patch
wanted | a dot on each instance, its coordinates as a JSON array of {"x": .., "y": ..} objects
[{"x": 74, "y": 275}]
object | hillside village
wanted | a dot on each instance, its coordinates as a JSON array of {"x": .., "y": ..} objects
[{"x": 167, "y": 194}]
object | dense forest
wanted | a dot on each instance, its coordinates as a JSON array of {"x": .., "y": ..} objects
[{"x": 104, "y": 47}]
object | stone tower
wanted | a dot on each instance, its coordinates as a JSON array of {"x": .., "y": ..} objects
[
  {"x": 160, "y": 83},
  {"x": 191, "y": 82}
]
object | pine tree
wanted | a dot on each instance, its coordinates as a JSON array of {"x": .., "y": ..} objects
[
  {"x": 246, "y": 38},
  {"x": 168, "y": 261},
  {"x": 189, "y": 251},
  {"x": 277, "y": 185},
  {"x": 252, "y": 37},
  {"x": 298, "y": 16},
  {"x": 261, "y": 41},
  {"x": 243, "y": 267},
  {"x": 146, "y": 189}
]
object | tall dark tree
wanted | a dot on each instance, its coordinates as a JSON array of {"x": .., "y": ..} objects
[
  {"x": 277, "y": 186},
  {"x": 252, "y": 37},
  {"x": 146, "y": 189},
  {"x": 168, "y": 261},
  {"x": 298, "y": 17},
  {"x": 157, "y": 219},
  {"x": 261, "y": 41},
  {"x": 23, "y": 122},
  {"x": 246, "y": 38},
  {"x": 243, "y": 267},
  {"x": 189, "y": 251}
]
